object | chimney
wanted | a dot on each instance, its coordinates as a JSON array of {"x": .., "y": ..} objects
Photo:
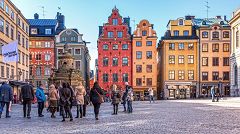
[
  {"x": 218, "y": 17},
  {"x": 100, "y": 31},
  {"x": 36, "y": 16},
  {"x": 61, "y": 22},
  {"x": 225, "y": 17},
  {"x": 189, "y": 17}
]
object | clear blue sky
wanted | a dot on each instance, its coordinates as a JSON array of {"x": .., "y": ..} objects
[{"x": 87, "y": 15}]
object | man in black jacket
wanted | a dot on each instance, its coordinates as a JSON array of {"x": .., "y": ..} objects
[
  {"x": 6, "y": 95},
  {"x": 26, "y": 97},
  {"x": 65, "y": 101}
]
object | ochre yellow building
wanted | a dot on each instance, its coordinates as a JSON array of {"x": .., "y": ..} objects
[
  {"x": 178, "y": 60},
  {"x": 14, "y": 26},
  {"x": 144, "y": 60}
]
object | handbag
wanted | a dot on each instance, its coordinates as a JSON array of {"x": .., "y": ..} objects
[
  {"x": 100, "y": 100},
  {"x": 74, "y": 102}
]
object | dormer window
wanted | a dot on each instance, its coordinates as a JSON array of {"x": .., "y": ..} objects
[
  {"x": 180, "y": 22},
  {"x": 221, "y": 23},
  {"x": 204, "y": 23},
  {"x": 48, "y": 31},
  {"x": 115, "y": 22},
  {"x": 34, "y": 31}
]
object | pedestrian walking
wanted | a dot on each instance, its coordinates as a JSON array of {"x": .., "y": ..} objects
[
  {"x": 86, "y": 101},
  {"x": 71, "y": 99},
  {"x": 115, "y": 99},
  {"x": 217, "y": 95},
  {"x": 41, "y": 98},
  {"x": 80, "y": 92},
  {"x": 124, "y": 97},
  {"x": 26, "y": 97},
  {"x": 96, "y": 97},
  {"x": 6, "y": 96},
  {"x": 130, "y": 99},
  {"x": 53, "y": 100},
  {"x": 150, "y": 91},
  {"x": 65, "y": 101},
  {"x": 213, "y": 93}
]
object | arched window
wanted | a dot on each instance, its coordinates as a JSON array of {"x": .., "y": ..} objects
[
  {"x": 237, "y": 39},
  {"x": 235, "y": 75}
]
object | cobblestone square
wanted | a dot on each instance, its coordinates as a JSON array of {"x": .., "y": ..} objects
[{"x": 161, "y": 117}]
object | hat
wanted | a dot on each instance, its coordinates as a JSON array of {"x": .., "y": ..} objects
[{"x": 126, "y": 83}]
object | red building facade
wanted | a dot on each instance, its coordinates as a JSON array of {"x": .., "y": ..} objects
[
  {"x": 41, "y": 60},
  {"x": 114, "y": 52}
]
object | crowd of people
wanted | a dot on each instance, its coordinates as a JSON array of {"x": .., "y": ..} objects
[{"x": 61, "y": 99}]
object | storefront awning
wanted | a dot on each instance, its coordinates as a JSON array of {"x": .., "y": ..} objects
[{"x": 17, "y": 83}]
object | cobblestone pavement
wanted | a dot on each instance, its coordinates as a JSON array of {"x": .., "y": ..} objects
[{"x": 161, "y": 117}]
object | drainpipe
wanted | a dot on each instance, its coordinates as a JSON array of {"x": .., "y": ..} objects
[{"x": 199, "y": 62}]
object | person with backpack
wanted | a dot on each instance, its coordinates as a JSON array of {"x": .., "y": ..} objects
[
  {"x": 6, "y": 96},
  {"x": 96, "y": 97},
  {"x": 115, "y": 99},
  {"x": 26, "y": 97},
  {"x": 41, "y": 98}
]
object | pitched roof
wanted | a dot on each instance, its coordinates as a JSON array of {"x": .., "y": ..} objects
[{"x": 42, "y": 22}]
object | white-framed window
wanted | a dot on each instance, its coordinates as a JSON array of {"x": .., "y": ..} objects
[
  {"x": 7, "y": 9},
  {"x": 110, "y": 34},
  {"x": 77, "y": 64},
  {"x": 47, "y": 71},
  {"x": 181, "y": 46},
  {"x": 2, "y": 4},
  {"x": 34, "y": 31},
  {"x": 115, "y": 21},
  {"x": 47, "y": 44},
  {"x": 8, "y": 72},
  {"x": 38, "y": 71},
  {"x": 12, "y": 14},
  {"x": 1, "y": 24},
  {"x": 73, "y": 39},
  {"x": 120, "y": 34},
  {"x": 124, "y": 46},
  {"x": 2, "y": 72},
  {"x": 105, "y": 47},
  {"x": 115, "y": 47},
  {"x": 47, "y": 57},
  {"x": 190, "y": 59},
  {"x": 38, "y": 44},
  {"x": 77, "y": 51},
  {"x": 48, "y": 31}
]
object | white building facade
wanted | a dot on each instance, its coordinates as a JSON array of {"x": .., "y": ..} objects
[{"x": 235, "y": 54}]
